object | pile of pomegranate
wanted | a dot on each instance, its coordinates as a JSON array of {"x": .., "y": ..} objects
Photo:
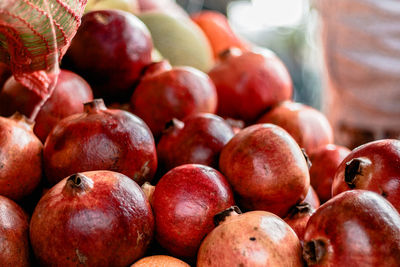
[{"x": 134, "y": 162}]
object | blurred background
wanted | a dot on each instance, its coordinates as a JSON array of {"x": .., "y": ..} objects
[{"x": 287, "y": 27}]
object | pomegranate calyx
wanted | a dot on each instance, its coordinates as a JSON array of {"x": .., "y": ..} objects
[
  {"x": 354, "y": 169},
  {"x": 79, "y": 183},
  {"x": 303, "y": 207},
  {"x": 94, "y": 106},
  {"x": 314, "y": 251},
  {"x": 226, "y": 215}
]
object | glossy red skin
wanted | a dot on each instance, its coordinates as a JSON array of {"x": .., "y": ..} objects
[
  {"x": 175, "y": 93},
  {"x": 312, "y": 198},
  {"x": 68, "y": 96},
  {"x": 20, "y": 158},
  {"x": 14, "y": 233},
  {"x": 199, "y": 140},
  {"x": 185, "y": 201},
  {"x": 255, "y": 238},
  {"x": 308, "y": 126},
  {"x": 359, "y": 227},
  {"x": 383, "y": 174},
  {"x": 266, "y": 169},
  {"x": 250, "y": 83},
  {"x": 109, "y": 50},
  {"x": 100, "y": 139},
  {"x": 107, "y": 222},
  {"x": 325, "y": 160}
]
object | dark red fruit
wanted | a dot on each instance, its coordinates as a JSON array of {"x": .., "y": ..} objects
[
  {"x": 325, "y": 160},
  {"x": 255, "y": 238},
  {"x": 97, "y": 218},
  {"x": 185, "y": 201},
  {"x": 20, "y": 157},
  {"x": 355, "y": 228},
  {"x": 249, "y": 83},
  {"x": 109, "y": 50},
  {"x": 100, "y": 139},
  {"x": 197, "y": 139},
  {"x": 374, "y": 166},
  {"x": 308, "y": 126},
  {"x": 68, "y": 96},
  {"x": 266, "y": 168},
  {"x": 172, "y": 93},
  {"x": 5, "y": 73},
  {"x": 14, "y": 233}
]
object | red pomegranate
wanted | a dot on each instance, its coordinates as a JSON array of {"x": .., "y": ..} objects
[
  {"x": 97, "y": 218},
  {"x": 185, "y": 201},
  {"x": 20, "y": 157},
  {"x": 298, "y": 218},
  {"x": 255, "y": 238},
  {"x": 308, "y": 126},
  {"x": 100, "y": 139},
  {"x": 14, "y": 233},
  {"x": 110, "y": 49},
  {"x": 373, "y": 166},
  {"x": 68, "y": 96},
  {"x": 249, "y": 83},
  {"x": 312, "y": 198},
  {"x": 354, "y": 228},
  {"x": 266, "y": 168},
  {"x": 198, "y": 138},
  {"x": 172, "y": 93},
  {"x": 325, "y": 160}
]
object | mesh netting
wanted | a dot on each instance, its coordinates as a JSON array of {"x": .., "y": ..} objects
[{"x": 34, "y": 35}]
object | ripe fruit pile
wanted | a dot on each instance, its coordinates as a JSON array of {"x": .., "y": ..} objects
[{"x": 181, "y": 166}]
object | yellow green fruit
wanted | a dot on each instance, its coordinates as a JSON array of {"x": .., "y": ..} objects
[{"x": 179, "y": 40}]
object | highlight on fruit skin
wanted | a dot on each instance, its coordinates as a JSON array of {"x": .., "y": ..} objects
[{"x": 160, "y": 261}]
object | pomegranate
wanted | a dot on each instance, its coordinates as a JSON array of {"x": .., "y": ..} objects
[
  {"x": 160, "y": 260},
  {"x": 96, "y": 218},
  {"x": 325, "y": 160},
  {"x": 14, "y": 233},
  {"x": 172, "y": 93},
  {"x": 308, "y": 126},
  {"x": 5, "y": 73},
  {"x": 68, "y": 96},
  {"x": 266, "y": 168},
  {"x": 20, "y": 157},
  {"x": 354, "y": 228},
  {"x": 298, "y": 218},
  {"x": 249, "y": 83},
  {"x": 251, "y": 239},
  {"x": 109, "y": 50},
  {"x": 100, "y": 139},
  {"x": 312, "y": 198},
  {"x": 199, "y": 138},
  {"x": 373, "y": 166},
  {"x": 185, "y": 201}
]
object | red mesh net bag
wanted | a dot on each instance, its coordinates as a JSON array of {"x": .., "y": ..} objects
[{"x": 34, "y": 36}]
